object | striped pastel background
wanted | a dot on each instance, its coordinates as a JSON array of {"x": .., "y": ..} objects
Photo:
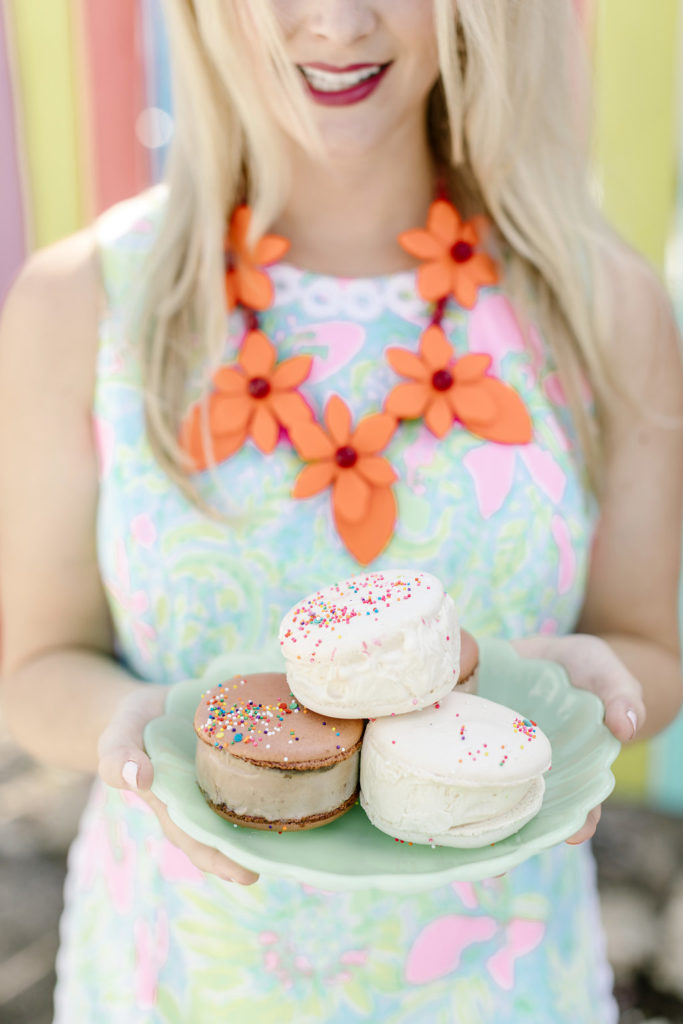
[{"x": 85, "y": 118}]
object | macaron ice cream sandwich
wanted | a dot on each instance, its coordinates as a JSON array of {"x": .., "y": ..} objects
[
  {"x": 266, "y": 762},
  {"x": 464, "y": 772}
]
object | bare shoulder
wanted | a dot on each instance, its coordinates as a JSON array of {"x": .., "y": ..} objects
[
  {"x": 49, "y": 578},
  {"x": 51, "y": 314},
  {"x": 645, "y": 344}
]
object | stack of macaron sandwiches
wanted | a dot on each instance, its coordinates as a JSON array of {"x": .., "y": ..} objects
[{"x": 380, "y": 690}]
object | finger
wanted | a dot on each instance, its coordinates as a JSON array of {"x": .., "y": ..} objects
[
  {"x": 123, "y": 760},
  {"x": 587, "y": 831},
  {"x": 624, "y": 717},
  {"x": 594, "y": 666},
  {"x": 206, "y": 858},
  {"x": 127, "y": 767}
]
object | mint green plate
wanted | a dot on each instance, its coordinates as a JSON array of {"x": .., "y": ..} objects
[{"x": 351, "y": 853}]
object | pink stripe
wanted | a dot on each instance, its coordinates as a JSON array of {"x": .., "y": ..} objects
[
  {"x": 117, "y": 87},
  {"x": 13, "y": 246}
]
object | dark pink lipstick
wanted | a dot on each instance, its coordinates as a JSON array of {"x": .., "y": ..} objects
[{"x": 346, "y": 97}]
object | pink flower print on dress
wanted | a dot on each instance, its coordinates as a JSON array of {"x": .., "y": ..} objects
[
  {"x": 494, "y": 330},
  {"x": 521, "y": 937},
  {"x": 174, "y": 865},
  {"x": 333, "y": 346},
  {"x": 546, "y": 473},
  {"x": 283, "y": 959},
  {"x": 273, "y": 964},
  {"x": 311, "y": 890},
  {"x": 466, "y": 893},
  {"x": 438, "y": 949},
  {"x": 567, "y": 567},
  {"x": 419, "y": 454},
  {"x": 135, "y": 603},
  {"x": 105, "y": 441},
  {"x": 554, "y": 389},
  {"x": 136, "y": 801},
  {"x": 271, "y": 960},
  {"x": 144, "y": 226},
  {"x": 342, "y": 978},
  {"x": 151, "y": 949},
  {"x": 357, "y": 957},
  {"x": 144, "y": 531},
  {"x": 492, "y": 468},
  {"x": 115, "y": 858}
]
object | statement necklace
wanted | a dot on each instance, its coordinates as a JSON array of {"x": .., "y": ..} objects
[{"x": 259, "y": 397}]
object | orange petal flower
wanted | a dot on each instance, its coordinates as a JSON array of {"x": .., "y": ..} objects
[
  {"x": 453, "y": 266},
  {"x": 192, "y": 440},
  {"x": 444, "y": 389},
  {"x": 254, "y": 397},
  {"x": 368, "y": 538},
  {"x": 363, "y": 504},
  {"x": 246, "y": 283}
]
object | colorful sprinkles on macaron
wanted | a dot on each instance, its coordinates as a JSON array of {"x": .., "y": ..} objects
[
  {"x": 240, "y": 721},
  {"x": 321, "y": 613}
]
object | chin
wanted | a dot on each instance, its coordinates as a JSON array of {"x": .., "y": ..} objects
[{"x": 349, "y": 143}]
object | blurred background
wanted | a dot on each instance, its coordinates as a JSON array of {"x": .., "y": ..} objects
[{"x": 85, "y": 120}]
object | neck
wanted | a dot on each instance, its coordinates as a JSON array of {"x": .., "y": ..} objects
[{"x": 343, "y": 218}]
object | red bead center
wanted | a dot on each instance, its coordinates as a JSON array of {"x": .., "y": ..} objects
[
  {"x": 442, "y": 380},
  {"x": 259, "y": 387},
  {"x": 346, "y": 457},
  {"x": 462, "y": 252}
]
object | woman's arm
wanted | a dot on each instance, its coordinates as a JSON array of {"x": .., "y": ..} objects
[
  {"x": 65, "y": 698},
  {"x": 59, "y": 681},
  {"x": 631, "y": 601}
]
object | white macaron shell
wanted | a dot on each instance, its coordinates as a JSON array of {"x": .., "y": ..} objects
[
  {"x": 334, "y": 623},
  {"x": 467, "y": 739}
]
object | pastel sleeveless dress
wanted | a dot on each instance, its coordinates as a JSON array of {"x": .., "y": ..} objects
[{"x": 146, "y": 937}]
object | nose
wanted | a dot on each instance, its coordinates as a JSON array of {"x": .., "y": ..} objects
[{"x": 342, "y": 21}]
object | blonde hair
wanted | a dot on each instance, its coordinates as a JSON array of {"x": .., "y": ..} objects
[{"x": 506, "y": 117}]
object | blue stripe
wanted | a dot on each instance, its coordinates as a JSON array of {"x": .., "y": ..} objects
[{"x": 158, "y": 71}]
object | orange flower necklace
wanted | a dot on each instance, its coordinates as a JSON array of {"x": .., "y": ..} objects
[{"x": 258, "y": 397}]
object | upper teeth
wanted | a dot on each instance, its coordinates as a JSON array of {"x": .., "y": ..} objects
[{"x": 337, "y": 81}]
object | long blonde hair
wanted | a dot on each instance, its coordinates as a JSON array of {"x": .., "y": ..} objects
[{"x": 507, "y": 117}]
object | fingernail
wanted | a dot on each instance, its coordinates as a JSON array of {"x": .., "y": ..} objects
[
  {"x": 631, "y": 715},
  {"x": 129, "y": 774}
]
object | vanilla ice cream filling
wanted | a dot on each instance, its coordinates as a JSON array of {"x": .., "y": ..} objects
[
  {"x": 273, "y": 793},
  {"x": 409, "y": 804},
  {"x": 403, "y": 671}
]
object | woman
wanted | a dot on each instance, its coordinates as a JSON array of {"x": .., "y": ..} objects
[{"x": 183, "y": 525}]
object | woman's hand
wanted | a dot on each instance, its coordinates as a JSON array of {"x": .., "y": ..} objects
[
  {"x": 125, "y": 765},
  {"x": 591, "y": 664}
]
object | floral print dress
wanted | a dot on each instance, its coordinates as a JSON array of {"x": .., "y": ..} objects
[{"x": 149, "y": 939}]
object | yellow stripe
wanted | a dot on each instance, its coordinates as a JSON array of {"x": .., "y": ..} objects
[
  {"x": 635, "y": 77},
  {"x": 47, "y": 62},
  {"x": 631, "y": 770}
]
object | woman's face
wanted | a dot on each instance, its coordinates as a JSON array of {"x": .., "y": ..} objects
[{"x": 368, "y": 65}]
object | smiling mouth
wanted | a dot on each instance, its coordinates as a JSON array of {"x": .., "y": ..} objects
[{"x": 327, "y": 80}]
